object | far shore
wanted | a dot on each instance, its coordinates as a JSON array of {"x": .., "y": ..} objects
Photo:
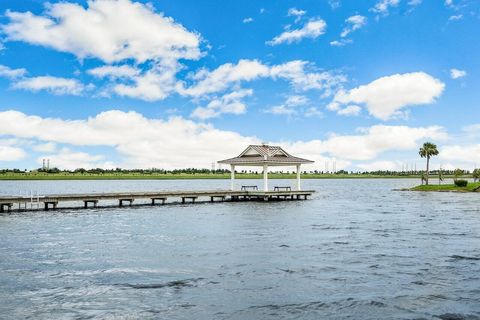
[{"x": 184, "y": 176}]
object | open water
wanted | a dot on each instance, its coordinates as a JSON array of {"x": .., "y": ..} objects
[{"x": 357, "y": 250}]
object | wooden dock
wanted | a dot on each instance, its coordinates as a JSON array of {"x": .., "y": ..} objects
[{"x": 52, "y": 201}]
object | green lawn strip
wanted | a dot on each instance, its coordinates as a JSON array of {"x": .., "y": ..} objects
[
  {"x": 140, "y": 176},
  {"x": 447, "y": 187}
]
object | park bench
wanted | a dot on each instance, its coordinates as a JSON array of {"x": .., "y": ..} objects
[
  {"x": 244, "y": 188},
  {"x": 278, "y": 188}
]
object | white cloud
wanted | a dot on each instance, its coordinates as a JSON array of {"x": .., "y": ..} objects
[
  {"x": 295, "y": 72},
  {"x": 449, "y": 3},
  {"x": 8, "y": 72},
  {"x": 111, "y": 30},
  {"x": 223, "y": 76},
  {"x": 71, "y": 160},
  {"x": 415, "y": 2},
  {"x": 9, "y": 152},
  {"x": 247, "y": 20},
  {"x": 372, "y": 141},
  {"x": 154, "y": 84},
  {"x": 382, "y": 7},
  {"x": 340, "y": 43},
  {"x": 229, "y": 74},
  {"x": 353, "y": 23},
  {"x": 313, "y": 112},
  {"x": 334, "y": 4},
  {"x": 229, "y": 103},
  {"x": 55, "y": 85},
  {"x": 456, "y": 73},
  {"x": 180, "y": 143},
  {"x": 386, "y": 96},
  {"x": 296, "y": 100},
  {"x": 297, "y": 13},
  {"x": 351, "y": 110},
  {"x": 312, "y": 29},
  {"x": 281, "y": 110},
  {"x": 114, "y": 72},
  {"x": 289, "y": 107},
  {"x": 149, "y": 142},
  {"x": 455, "y": 17},
  {"x": 463, "y": 156},
  {"x": 45, "y": 147}
]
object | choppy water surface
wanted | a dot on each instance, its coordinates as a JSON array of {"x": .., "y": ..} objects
[{"x": 357, "y": 250}]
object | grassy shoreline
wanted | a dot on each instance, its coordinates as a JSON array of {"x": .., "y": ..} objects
[
  {"x": 471, "y": 187},
  {"x": 183, "y": 176}
]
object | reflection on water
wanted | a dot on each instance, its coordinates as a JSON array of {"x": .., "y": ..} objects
[{"x": 356, "y": 250}]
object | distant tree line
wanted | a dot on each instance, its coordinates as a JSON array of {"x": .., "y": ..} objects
[{"x": 224, "y": 171}]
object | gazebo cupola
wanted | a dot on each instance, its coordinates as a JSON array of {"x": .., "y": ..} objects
[{"x": 265, "y": 156}]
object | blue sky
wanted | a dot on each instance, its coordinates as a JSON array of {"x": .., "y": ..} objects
[{"x": 106, "y": 83}]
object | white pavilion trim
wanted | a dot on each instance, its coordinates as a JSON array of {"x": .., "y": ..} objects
[{"x": 265, "y": 156}]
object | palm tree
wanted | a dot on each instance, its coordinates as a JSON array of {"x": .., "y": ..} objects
[{"x": 428, "y": 150}]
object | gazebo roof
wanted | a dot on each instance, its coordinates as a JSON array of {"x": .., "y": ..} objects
[{"x": 256, "y": 155}]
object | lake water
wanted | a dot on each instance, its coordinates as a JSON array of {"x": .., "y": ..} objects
[{"x": 357, "y": 250}]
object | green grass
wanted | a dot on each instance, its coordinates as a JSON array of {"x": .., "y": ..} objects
[
  {"x": 158, "y": 176},
  {"x": 448, "y": 187}
]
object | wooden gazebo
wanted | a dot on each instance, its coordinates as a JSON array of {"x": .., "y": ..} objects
[{"x": 265, "y": 156}]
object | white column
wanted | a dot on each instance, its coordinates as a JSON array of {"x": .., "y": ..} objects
[
  {"x": 298, "y": 178},
  {"x": 232, "y": 177},
  {"x": 265, "y": 178}
]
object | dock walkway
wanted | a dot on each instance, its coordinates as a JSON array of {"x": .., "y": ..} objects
[{"x": 51, "y": 201}]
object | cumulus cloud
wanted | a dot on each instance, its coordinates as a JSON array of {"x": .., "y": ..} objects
[
  {"x": 54, "y": 85},
  {"x": 297, "y": 13},
  {"x": 222, "y": 77},
  {"x": 372, "y": 141},
  {"x": 247, "y": 20},
  {"x": 229, "y": 103},
  {"x": 296, "y": 72},
  {"x": 456, "y": 73},
  {"x": 156, "y": 83},
  {"x": 353, "y": 23},
  {"x": 111, "y": 30},
  {"x": 149, "y": 142},
  {"x": 383, "y": 6},
  {"x": 155, "y": 142},
  {"x": 387, "y": 96},
  {"x": 289, "y": 107},
  {"x": 312, "y": 29},
  {"x": 114, "y": 72},
  {"x": 8, "y": 72}
]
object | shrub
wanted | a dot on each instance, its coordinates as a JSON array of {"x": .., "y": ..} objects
[{"x": 461, "y": 183}]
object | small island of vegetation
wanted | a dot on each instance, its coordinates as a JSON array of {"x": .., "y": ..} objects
[{"x": 460, "y": 184}]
